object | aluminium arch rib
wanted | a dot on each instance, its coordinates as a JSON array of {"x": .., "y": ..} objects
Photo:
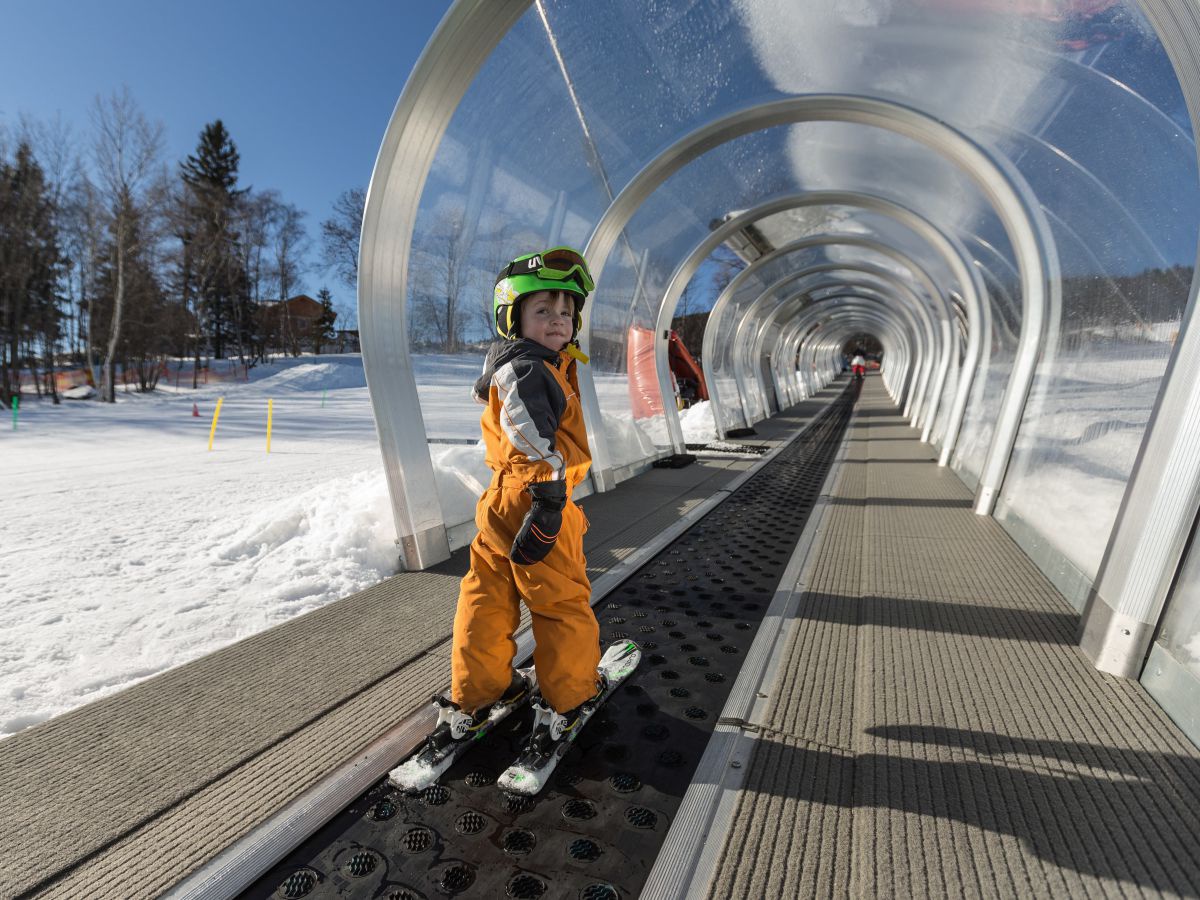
[
  {"x": 757, "y": 338},
  {"x": 854, "y": 313},
  {"x": 787, "y": 349},
  {"x": 926, "y": 404},
  {"x": 835, "y": 328},
  {"x": 1158, "y": 510},
  {"x": 815, "y": 324},
  {"x": 836, "y": 331},
  {"x": 714, "y": 324},
  {"x": 947, "y": 245},
  {"x": 824, "y": 352},
  {"x": 800, "y": 312},
  {"x": 865, "y": 290},
  {"x": 795, "y": 331},
  {"x": 467, "y": 34},
  {"x": 1001, "y": 184},
  {"x": 746, "y": 366},
  {"x": 785, "y": 368},
  {"x": 857, "y": 295},
  {"x": 844, "y": 290}
]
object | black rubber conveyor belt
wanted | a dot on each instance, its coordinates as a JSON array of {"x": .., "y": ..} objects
[{"x": 596, "y": 829}]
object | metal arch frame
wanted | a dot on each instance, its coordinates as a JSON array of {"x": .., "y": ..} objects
[
  {"x": 921, "y": 274},
  {"x": 467, "y": 34},
  {"x": 854, "y": 314},
  {"x": 805, "y": 321},
  {"x": 923, "y": 402},
  {"x": 835, "y": 330},
  {"x": 851, "y": 289},
  {"x": 1002, "y": 186},
  {"x": 865, "y": 290},
  {"x": 800, "y": 315},
  {"x": 786, "y": 350},
  {"x": 928, "y": 350},
  {"x": 948, "y": 246},
  {"x": 856, "y": 294},
  {"x": 1158, "y": 510},
  {"x": 741, "y": 365},
  {"x": 792, "y": 334},
  {"x": 447, "y": 67}
]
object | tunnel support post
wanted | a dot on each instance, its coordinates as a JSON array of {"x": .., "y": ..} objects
[
  {"x": 466, "y": 36},
  {"x": 1159, "y": 508}
]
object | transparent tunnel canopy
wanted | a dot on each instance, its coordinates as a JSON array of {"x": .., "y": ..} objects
[{"x": 577, "y": 99}]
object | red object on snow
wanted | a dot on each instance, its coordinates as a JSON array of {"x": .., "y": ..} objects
[
  {"x": 643, "y": 375},
  {"x": 195, "y": 411}
]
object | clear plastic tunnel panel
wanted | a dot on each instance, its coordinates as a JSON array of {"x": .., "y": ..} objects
[{"x": 574, "y": 101}]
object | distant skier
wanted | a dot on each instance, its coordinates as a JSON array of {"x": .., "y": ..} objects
[
  {"x": 858, "y": 365},
  {"x": 530, "y": 541}
]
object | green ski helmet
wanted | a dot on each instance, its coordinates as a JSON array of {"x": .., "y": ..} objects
[{"x": 556, "y": 269}]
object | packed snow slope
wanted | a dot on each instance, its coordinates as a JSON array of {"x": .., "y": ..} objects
[{"x": 127, "y": 547}]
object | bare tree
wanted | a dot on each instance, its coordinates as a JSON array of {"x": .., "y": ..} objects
[
  {"x": 127, "y": 152},
  {"x": 54, "y": 148},
  {"x": 289, "y": 245},
  {"x": 340, "y": 234},
  {"x": 440, "y": 279}
]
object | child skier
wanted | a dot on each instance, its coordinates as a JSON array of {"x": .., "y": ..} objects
[{"x": 530, "y": 541}]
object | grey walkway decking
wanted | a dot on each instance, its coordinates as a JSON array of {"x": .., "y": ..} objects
[
  {"x": 936, "y": 732},
  {"x": 125, "y": 796}
]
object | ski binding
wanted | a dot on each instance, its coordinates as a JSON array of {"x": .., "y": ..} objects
[
  {"x": 533, "y": 768},
  {"x": 427, "y": 764}
]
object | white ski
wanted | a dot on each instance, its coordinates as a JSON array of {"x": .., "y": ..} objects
[
  {"x": 533, "y": 768},
  {"x": 428, "y": 762}
]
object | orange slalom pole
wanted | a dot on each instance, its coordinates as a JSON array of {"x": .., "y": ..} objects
[{"x": 270, "y": 410}]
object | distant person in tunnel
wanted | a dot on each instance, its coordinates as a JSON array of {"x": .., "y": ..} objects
[
  {"x": 858, "y": 365},
  {"x": 530, "y": 541}
]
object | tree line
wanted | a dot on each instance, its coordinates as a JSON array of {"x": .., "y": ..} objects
[{"x": 113, "y": 260}]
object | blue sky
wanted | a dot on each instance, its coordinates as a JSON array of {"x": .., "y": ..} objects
[{"x": 305, "y": 88}]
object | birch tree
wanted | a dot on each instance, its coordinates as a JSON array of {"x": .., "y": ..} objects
[{"x": 126, "y": 153}]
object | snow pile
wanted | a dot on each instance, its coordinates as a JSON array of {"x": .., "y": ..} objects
[
  {"x": 698, "y": 424},
  {"x": 303, "y": 551},
  {"x": 462, "y": 476}
]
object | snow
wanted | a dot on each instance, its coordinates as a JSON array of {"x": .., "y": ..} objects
[{"x": 127, "y": 548}]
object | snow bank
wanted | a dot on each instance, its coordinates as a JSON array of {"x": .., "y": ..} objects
[
  {"x": 128, "y": 548},
  {"x": 699, "y": 427}
]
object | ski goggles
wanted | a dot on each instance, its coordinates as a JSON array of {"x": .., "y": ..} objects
[{"x": 555, "y": 264}]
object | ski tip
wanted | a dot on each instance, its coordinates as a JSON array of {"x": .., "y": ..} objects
[
  {"x": 403, "y": 783},
  {"x": 521, "y": 783}
]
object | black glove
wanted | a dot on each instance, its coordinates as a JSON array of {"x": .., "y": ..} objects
[{"x": 540, "y": 529}]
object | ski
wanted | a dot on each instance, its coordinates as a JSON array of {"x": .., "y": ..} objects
[
  {"x": 533, "y": 768},
  {"x": 426, "y": 765}
]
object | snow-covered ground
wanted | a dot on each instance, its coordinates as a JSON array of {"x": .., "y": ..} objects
[{"x": 127, "y": 548}]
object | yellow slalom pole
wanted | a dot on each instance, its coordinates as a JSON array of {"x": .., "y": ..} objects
[
  {"x": 212, "y": 432},
  {"x": 270, "y": 409}
]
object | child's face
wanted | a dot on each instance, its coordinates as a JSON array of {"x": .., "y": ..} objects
[{"x": 546, "y": 318}]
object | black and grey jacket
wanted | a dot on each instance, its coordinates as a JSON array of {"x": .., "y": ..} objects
[{"x": 532, "y": 399}]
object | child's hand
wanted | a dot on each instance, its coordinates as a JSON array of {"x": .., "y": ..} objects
[{"x": 540, "y": 528}]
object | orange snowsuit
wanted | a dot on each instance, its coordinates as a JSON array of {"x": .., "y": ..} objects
[{"x": 533, "y": 429}]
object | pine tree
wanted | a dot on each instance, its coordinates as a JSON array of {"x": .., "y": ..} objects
[
  {"x": 30, "y": 264},
  {"x": 215, "y": 279},
  {"x": 323, "y": 326}
]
